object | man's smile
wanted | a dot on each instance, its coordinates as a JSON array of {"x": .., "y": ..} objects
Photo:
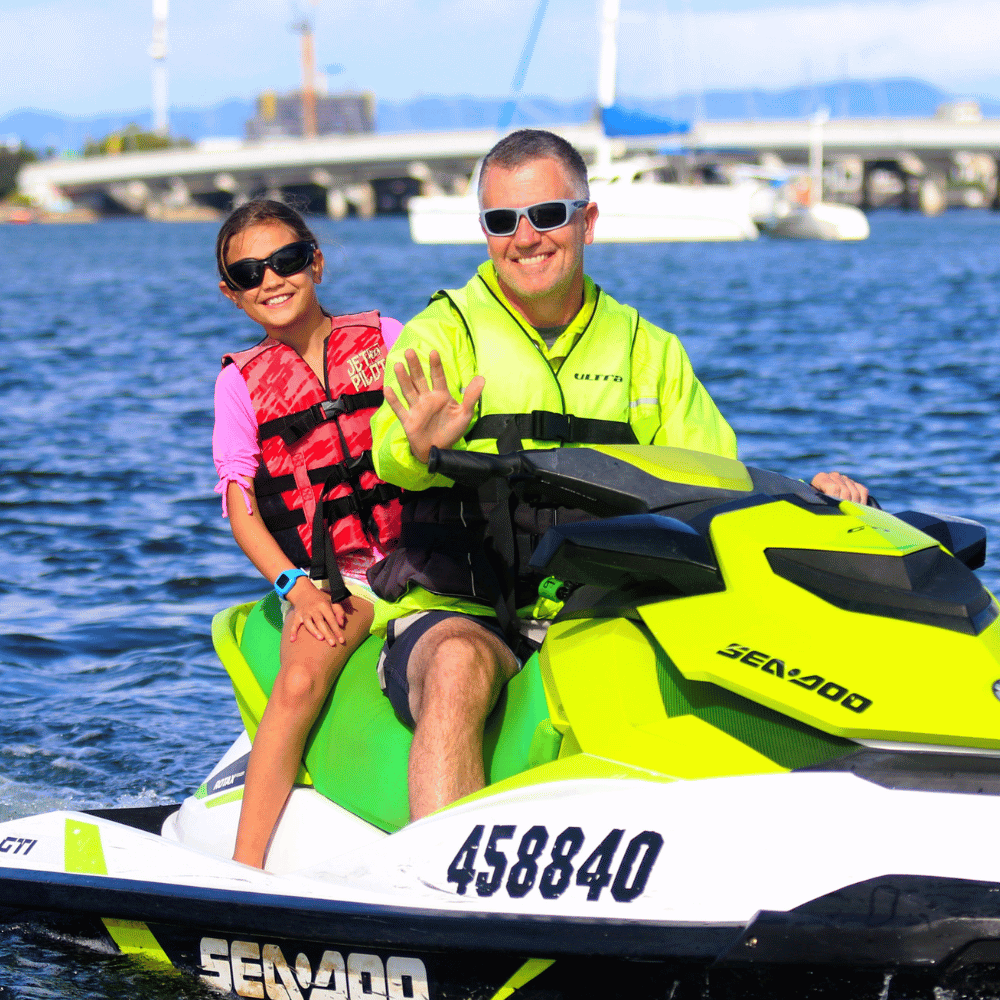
[{"x": 538, "y": 258}]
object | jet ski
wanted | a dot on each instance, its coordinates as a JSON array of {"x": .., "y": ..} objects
[{"x": 758, "y": 739}]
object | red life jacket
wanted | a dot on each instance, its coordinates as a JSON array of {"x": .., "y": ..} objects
[{"x": 316, "y": 487}]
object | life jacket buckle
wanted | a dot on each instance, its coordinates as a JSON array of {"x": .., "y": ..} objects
[
  {"x": 549, "y": 426},
  {"x": 332, "y": 408},
  {"x": 356, "y": 464}
]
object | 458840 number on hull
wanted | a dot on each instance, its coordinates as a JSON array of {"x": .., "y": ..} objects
[{"x": 553, "y": 865}]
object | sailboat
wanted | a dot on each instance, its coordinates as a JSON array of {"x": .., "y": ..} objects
[
  {"x": 798, "y": 212},
  {"x": 635, "y": 204}
]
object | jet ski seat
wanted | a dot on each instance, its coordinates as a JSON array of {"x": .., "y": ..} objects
[{"x": 357, "y": 751}]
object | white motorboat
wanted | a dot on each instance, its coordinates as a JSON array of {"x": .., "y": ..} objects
[
  {"x": 635, "y": 205},
  {"x": 632, "y": 210}
]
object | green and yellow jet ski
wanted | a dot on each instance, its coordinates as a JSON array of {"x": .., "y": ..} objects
[{"x": 760, "y": 740}]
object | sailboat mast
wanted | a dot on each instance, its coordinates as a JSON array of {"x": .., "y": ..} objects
[
  {"x": 608, "y": 59},
  {"x": 819, "y": 119},
  {"x": 607, "y": 69}
]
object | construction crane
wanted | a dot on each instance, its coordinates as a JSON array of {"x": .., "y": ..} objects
[{"x": 304, "y": 27}]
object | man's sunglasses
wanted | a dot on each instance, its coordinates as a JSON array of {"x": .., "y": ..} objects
[
  {"x": 248, "y": 273},
  {"x": 544, "y": 216}
]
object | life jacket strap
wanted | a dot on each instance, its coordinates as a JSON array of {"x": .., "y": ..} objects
[
  {"x": 294, "y": 426},
  {"x": 353, "y": 505},
  {"x": 333, "y": 475},
  {"x": 360, "y": 504},
  {"x": 545, "y": 425}
]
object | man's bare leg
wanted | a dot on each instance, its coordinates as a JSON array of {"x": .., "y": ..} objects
[{"x": 456, "y": 672}]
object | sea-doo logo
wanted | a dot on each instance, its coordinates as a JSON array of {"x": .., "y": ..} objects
[
  {"x": 768, "y": 664},
  {"x": 251, "y": 970},
  {"x": 16, "y": 845},
  {"x": 597, "y": 378}
]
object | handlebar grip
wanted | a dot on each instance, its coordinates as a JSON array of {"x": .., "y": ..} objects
[{"x": 473, "y": 467}]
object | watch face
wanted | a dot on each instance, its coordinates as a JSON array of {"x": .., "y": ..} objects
[{"x": 282, "y": 581}]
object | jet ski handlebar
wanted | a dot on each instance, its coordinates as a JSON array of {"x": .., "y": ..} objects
[{"x": 473, "y": 468}]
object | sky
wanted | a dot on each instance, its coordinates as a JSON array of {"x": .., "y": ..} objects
[{"x": 83, "y": 57}]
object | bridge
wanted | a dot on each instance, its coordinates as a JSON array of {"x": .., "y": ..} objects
[{"x": 352, "y": 170}]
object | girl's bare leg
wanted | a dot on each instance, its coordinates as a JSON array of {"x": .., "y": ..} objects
[{"x": 308, "y": 669}]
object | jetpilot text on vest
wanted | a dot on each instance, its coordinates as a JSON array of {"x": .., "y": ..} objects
[{"x": 366, "y": 368}]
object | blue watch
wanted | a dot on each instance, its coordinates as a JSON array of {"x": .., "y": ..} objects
[{"x": 285, "y": 581}]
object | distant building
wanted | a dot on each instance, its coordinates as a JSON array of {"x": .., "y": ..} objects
[
  {"x": 280, "y": 115},
  {"x": 959, "y": 111}
]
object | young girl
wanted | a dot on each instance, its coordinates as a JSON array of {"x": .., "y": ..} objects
[{"x": 292, "y": 448}]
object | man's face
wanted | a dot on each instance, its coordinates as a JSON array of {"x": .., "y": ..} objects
[{"x": 538, "y": 268}]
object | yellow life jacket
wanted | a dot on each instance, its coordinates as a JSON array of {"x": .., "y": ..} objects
[{"x": 587, "y": 401}]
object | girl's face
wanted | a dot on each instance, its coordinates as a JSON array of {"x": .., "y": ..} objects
[{"x": 276, "y": 303}]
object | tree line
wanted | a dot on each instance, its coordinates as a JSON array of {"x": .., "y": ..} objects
[{"x": 131, "y": 139}]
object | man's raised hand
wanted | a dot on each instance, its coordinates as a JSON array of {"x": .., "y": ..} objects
[{"x": 431, "y": 416}]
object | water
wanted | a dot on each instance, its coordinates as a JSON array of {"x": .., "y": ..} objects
[{"x": 876, "y": 359}]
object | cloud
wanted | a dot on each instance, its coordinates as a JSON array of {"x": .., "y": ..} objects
[
  {"x": 86, "y": 56},
  {"x": 949, "y": 42},
  {"x": 83, "y": 56}
]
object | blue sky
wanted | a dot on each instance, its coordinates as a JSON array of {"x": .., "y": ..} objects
[{"x": 81, "y": 57}]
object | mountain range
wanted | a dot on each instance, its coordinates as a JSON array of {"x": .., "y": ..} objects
[{"x": 891, "y": 98}]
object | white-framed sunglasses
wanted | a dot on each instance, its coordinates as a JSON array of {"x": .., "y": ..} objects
[{"x": 543, "y": 217}]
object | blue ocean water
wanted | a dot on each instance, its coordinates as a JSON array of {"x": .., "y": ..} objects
[{"x": 878, "y": 359}]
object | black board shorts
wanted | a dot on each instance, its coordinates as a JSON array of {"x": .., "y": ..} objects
[{"x": 401, "y": 636}]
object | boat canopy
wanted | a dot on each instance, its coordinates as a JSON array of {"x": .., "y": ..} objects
[{"x": 619, "y": 121}]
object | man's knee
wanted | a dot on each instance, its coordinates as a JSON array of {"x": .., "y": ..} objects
[{"x": 459, "y": 662}]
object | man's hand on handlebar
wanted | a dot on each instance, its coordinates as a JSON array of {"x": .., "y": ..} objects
[
  {"x": 431, "y": 416},
  {"x": 836, "y": 484}
]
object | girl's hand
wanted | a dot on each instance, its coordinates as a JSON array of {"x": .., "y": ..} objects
[{"x": 312, "y": 608}]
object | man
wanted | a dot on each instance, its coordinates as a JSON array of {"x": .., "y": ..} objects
[{"x": 529, "y": 332}]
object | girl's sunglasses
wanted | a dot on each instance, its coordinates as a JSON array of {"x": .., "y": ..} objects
[
  {"x": 544, "y": 216},
  {"x": 285, "y": 261}
]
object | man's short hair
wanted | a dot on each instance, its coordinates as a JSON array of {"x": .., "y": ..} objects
[{"x": 528, "y": 144}]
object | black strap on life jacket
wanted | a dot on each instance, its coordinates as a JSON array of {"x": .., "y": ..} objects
[
  {"x": 353, "y": 505},
  {"x": 295, "y": 426},
  {"x": 496, "y": 498},
  {"x": 332, "y": 475},
  {"x": 545, "y": 425},
  {"x": 323, "y": 565},
  {"x": 360, "y": 504}
]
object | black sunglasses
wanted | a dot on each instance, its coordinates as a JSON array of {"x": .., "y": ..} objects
[
  {"x": 545, "y": 216},
  {"x": 248, "y": 273}
]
